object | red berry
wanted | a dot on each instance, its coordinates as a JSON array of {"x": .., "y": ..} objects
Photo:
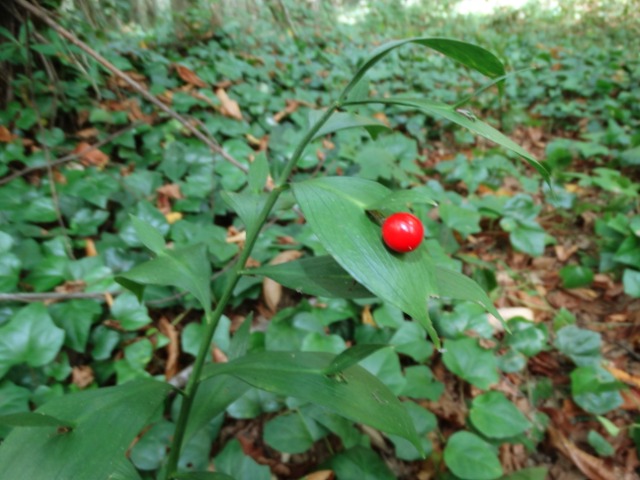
[{"x": 402, "y": 232}]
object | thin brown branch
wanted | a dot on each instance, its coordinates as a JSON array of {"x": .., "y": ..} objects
[
  {"x": 41, "y": 297},
  {"x": 46, "y": 18},
  {"x": 71, "y": 156}
]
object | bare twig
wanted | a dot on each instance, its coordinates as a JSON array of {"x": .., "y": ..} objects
[
  {"x": 47, "y": 153},
  {"x": 71, "y": 156},
  {"x": 41, "y": 297},
  {"x": 45, "y": 17}
]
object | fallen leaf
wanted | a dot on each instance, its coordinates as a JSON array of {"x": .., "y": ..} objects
[
  {"x": 272, "y": 290},
  {"x": 623, "y": 376},
  {"x": 5, "y": 135},
  {"x": 171, "y": 190},
  {"x": 71, "y": 286},
  {"x": 508, "y": 313},
  {"x": 592, "y": 467},
  {"x": 291, "y": 106},
  {"x": 383, "y": 118},
  {"x": 366, "y": 317},
  {"x": 82, "y": 376},
  {"x": 173, "y": 347},
  {"x": 189, "y": 76},
  {"x": 219, "y": 356},
  {"x": 320, "y": 475},
  {"x": 90, "y": 248},
  {"x": 173, "y": 217},
  {"x": 93, "y": 157},
  {"x": 87, "y": 133},
  {"x": 230, "y": 108}
]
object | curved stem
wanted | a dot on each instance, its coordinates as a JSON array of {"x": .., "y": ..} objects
[{"x": 213, "y": 319}]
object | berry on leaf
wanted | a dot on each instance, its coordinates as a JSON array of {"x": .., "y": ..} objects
[{"x": 402, "y": 232}]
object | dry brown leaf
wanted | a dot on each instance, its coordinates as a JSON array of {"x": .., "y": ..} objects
[
  {"x": 366, "y": 317},
  {"x": 171, "y": 190},
  {"x": 592, "y": 467},
  {"x": 90, "y": 248},
  {"x": 5, "y": 135},
  {"x": 173, "y": 347},
  {"x": 173, "y": 217},
  {"x": 380, "y": 116},
  {"x": 94, "y": 157},
  {"x": 291, "y": 106},
  {"x": 507, "y": 314},
  {"x": 320, "y": 475},
  {"x": 272, "y": 290},
  {"x": 87, "y": 133},
  {"x": 71, "y": 286},
  {"x": 108, "y": 299},
  {"x": 623, "y": 376},
  {"x": 190, "y": 77},
  {"x": 219, "y": 356},
  {"x": 82, "y": 376},
  {"x": 230, "y": 108}
]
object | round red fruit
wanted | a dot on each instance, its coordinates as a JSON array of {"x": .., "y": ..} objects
[{"x": 402, "y": 232}]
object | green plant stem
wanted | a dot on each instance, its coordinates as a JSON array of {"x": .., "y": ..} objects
[{"x": 213, "y": 318}]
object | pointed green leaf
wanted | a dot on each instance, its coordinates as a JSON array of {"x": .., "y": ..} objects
[
  {"x": 342, "y": 121},
  {"x": 351, "y": 357},
  {"x": 106, "y": 422},
  {"x": 336, "y": 209},
  {"x": 32, "y": 419},
  {"x": 148, "y": 235},
  {"x": 355, "y": 394},
  {"x": 247, "y": 205},
  {"x": 258, "y": 173},
  {"x": 467, "y": 120},
  {"x": 467, "y": 54},
  {"x": 320, "y": 276},
  {"x": 400, "y": 199},
  {"x": 187, "y": 268}
]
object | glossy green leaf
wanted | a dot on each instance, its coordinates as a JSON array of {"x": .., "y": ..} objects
[
  {"x": 75, "y": 317},
  {"x": 404, "y": 280},
  {"x": 129, "y": 312},
  {"x": 233, "y": 462},
  {"x": 292, "y": 432},
  {"x": 600, "y": 444},
  {"x": 342, "y": 121},
  {"x": 247, "y": 205},
  {"x": 32, "y": 419},
  {"x": 351, "y": 357},
  {"x": 187, "y": 268},
  {"x": 148, "y": 235},
  {"x": 467, "y": 54},
  {"x": 213, "y": 397},
  {"x": 595, "y": 390},
  {"x": 471, "y": 362},
  {"x": 401, "y": 199},
  {"x": 574, "y": 276},
  {"x": 106, "y": 422},
  {"x": 468, "y": 121},
  {"x": 360, "y": 463},
  {"x": 471, "y": 458},
  {"x": 354, "y": 394},
  {"x": 320, "y": 276},
  {"x": 579, "y": 344},
  {"x": 631, "y": 282},
  {"x": 496, "y": 417},
  {"x": 29, "y": 337}
]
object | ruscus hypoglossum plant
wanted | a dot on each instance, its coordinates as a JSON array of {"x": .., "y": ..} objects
[{"x": 86, "y": 435}]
